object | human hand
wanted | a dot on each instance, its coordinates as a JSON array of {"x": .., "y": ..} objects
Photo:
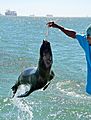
[{"x": 52, "y": 24}]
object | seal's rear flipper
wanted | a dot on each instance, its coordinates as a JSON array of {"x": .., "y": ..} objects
[{"x": 14, "y": 89}]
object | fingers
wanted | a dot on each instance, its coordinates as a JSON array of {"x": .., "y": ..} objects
[{"x": 50, "y": 24}]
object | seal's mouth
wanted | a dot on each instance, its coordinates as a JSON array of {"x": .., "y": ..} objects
[{"x": 46, "y": 53}]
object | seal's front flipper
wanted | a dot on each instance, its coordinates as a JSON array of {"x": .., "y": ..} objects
[
  {"x": 52, "y": 75},
  {"x": 46, "y": 86}
]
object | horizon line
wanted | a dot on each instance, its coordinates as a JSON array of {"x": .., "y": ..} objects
[{"x": 44, "y": 16}]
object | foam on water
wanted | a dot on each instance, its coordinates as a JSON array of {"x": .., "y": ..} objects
[
  {"x": 24, "y": 110},
  {"x": 72, "y": 89}
]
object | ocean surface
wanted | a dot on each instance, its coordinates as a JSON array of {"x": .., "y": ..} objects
[{"x": 65, "y": 98}]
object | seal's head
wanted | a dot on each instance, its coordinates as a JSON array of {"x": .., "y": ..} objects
[
  {"x": 46, "y": 53},
  {"x": 88, "y": 32}
]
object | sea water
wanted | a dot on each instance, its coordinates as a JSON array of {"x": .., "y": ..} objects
[{"x": 65, "y": 98}]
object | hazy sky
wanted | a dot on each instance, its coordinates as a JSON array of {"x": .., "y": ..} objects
[{"x": 42, "y": 7}]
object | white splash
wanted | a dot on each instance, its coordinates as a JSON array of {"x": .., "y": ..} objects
[
  {"x": 22, "y": 89},
  {"x": 24, "y": 108}
]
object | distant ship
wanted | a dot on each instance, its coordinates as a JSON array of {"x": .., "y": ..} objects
[
  {"x": 32, "y": 15},
  {"x": 49, "y": 15},
  {"x": 11, "y": 13}
]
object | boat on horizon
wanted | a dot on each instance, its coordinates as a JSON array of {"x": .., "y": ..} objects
[{"x": 10, "y": 13}]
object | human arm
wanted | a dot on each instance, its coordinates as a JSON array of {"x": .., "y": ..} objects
[{"x": 68, "y": 32}]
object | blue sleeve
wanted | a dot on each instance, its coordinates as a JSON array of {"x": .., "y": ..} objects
[{"x": 82, "y": 40}]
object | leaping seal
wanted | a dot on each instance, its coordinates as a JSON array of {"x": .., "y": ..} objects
[{"x": 39, "y": 77}]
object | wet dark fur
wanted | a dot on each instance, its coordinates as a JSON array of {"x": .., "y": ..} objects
[{"x": 42, "y": 75}]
